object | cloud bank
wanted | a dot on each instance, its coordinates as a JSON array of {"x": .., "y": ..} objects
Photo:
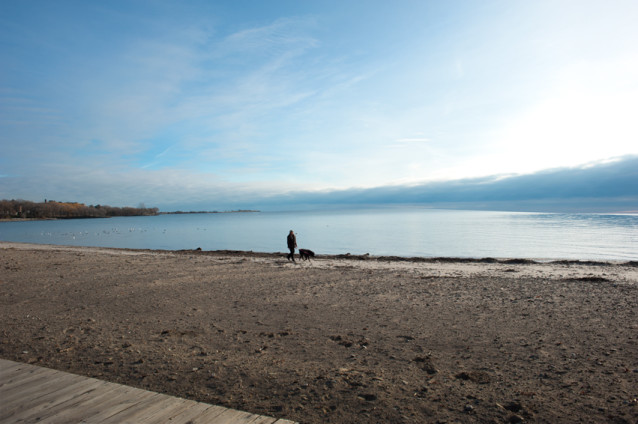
[
  {"x": 609, "y": 186},
  {"x": 602, "y": 187}
]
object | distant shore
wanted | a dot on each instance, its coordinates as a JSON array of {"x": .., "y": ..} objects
[
  {"x": 340, "y": 339},
  {"x": 102, "y": 217},
  {"x": 25, "y": 219},
  {"x": 198, "y": 212}
]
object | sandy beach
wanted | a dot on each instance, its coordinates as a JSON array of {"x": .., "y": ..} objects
[{"x": 336, "y": 340}]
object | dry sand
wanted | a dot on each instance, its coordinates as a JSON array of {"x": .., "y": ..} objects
[{"x": 338, "y": 339}]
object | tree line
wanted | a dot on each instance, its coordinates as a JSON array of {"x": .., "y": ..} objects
[{"x": 50, "y": 209}]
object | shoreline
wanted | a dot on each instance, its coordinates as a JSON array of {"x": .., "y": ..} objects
[
  {"x": 336, "y": 340},
  {"x": 346, "y": 256}
]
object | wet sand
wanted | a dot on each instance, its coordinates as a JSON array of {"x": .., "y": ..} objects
[{"x": 336, "y": 340}]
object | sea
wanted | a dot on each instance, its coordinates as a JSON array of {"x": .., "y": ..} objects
[{"x": 390, "y": 231}]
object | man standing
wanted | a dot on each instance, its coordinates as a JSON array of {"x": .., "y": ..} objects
[{"x": 292, "y": 244}]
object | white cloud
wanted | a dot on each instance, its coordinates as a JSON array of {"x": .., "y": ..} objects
[
  {"x": 283, "y": 36},
  {"x": 588, "y": 116},
  {"x": 409, "y": 140}
]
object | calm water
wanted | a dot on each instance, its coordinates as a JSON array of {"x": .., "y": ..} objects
[{"x": 392, "y": 231}]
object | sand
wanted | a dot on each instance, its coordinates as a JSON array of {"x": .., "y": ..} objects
[{"x": 336, "y": 340}]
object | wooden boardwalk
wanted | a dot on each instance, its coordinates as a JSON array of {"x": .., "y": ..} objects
[{"x": 30, "y": 394}]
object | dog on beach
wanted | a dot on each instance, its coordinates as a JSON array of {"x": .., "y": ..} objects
[{"x": 306, "y": 254}]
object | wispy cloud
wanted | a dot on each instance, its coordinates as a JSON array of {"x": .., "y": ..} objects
[
  {"x": 283, "y": 37},
  {"x": 408, "y": 140}
]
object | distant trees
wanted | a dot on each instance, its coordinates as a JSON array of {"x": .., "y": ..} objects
[{"x": 14, "y": 209}]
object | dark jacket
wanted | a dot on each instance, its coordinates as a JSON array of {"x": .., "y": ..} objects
[{"x": 292, "y": 241}]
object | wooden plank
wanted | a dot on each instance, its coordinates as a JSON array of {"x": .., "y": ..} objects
[
  {"x": 190, "y": 416},
  {"x": 106, "y": 403},
  {"x": 34, "y": 394},
  {"x": 38, "y": 393},
  {"x": 168, "y": 411},
  {"x": 10, "y": 368},
  {"x": 38, "y": 387},
  {"x": 23, "y": 376},
  {"x": 62, "y": 393},
  {"x": 75, "y": 409},
  {"x": 140, "y": 408},
  {"x": 26, "y": 394},
  {"x": 118, "y": 415},
  {"x": 62, "y": 412},
  {"x": 263, "y": 420},
  {"x": 121, "y": 402},
  {"x": 205, "y": 414},
  {"x": 209, "y": 415},
  {"x": 231, "y": 416}
]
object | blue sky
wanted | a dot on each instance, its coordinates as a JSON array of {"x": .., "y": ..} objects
[{"x": 228, "y": 104}]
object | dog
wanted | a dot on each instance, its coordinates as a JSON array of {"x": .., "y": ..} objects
[{"x": 306, "y": 254}]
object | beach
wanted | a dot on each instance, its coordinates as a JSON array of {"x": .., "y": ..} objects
[{"x": 339, "y": 339}]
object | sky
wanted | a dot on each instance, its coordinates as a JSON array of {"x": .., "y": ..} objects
[{"x": 213, "y": 105}]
